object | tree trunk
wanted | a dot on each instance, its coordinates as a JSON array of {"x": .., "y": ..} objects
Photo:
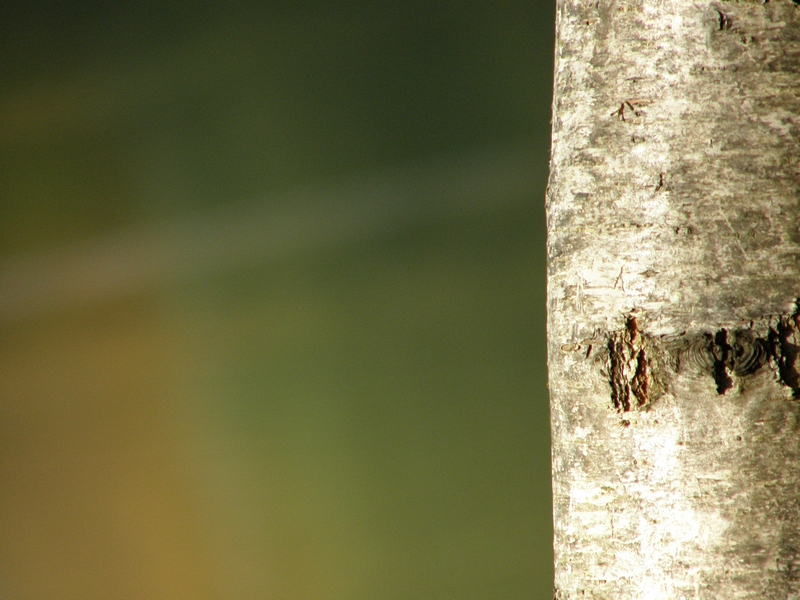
[{"x": 674, "y": 252}]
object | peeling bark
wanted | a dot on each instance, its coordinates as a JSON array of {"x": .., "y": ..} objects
[{"x": 674, "y": 276}]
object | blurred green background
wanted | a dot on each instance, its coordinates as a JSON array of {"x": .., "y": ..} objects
[{"x": 272, "y": 300}]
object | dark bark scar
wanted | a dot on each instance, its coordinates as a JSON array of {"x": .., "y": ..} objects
[{"x": 638, "y": 366}]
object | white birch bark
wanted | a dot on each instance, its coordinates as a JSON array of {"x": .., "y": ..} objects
[{"x": 674, "y": 275}]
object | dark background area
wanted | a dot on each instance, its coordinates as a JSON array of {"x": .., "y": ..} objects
[{"x": 272, "y": 300}]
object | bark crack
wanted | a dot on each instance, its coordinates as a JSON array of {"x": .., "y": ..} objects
[
  {"x": 723, "y": 361},
  {"x": 725, "y": 21},
  {"x": 629, "y": 369}
]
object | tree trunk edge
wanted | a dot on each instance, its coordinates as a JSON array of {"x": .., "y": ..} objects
[{"x": 673, "y": 268}]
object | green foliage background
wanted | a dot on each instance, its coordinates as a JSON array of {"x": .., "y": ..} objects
[{"x": 366, "y": 419}]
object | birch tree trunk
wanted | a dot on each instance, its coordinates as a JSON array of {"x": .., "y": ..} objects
[{"x": 674, "y": 275}]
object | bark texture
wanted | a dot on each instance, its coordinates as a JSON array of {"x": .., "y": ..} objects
[{"x": 674, "y": 277}]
